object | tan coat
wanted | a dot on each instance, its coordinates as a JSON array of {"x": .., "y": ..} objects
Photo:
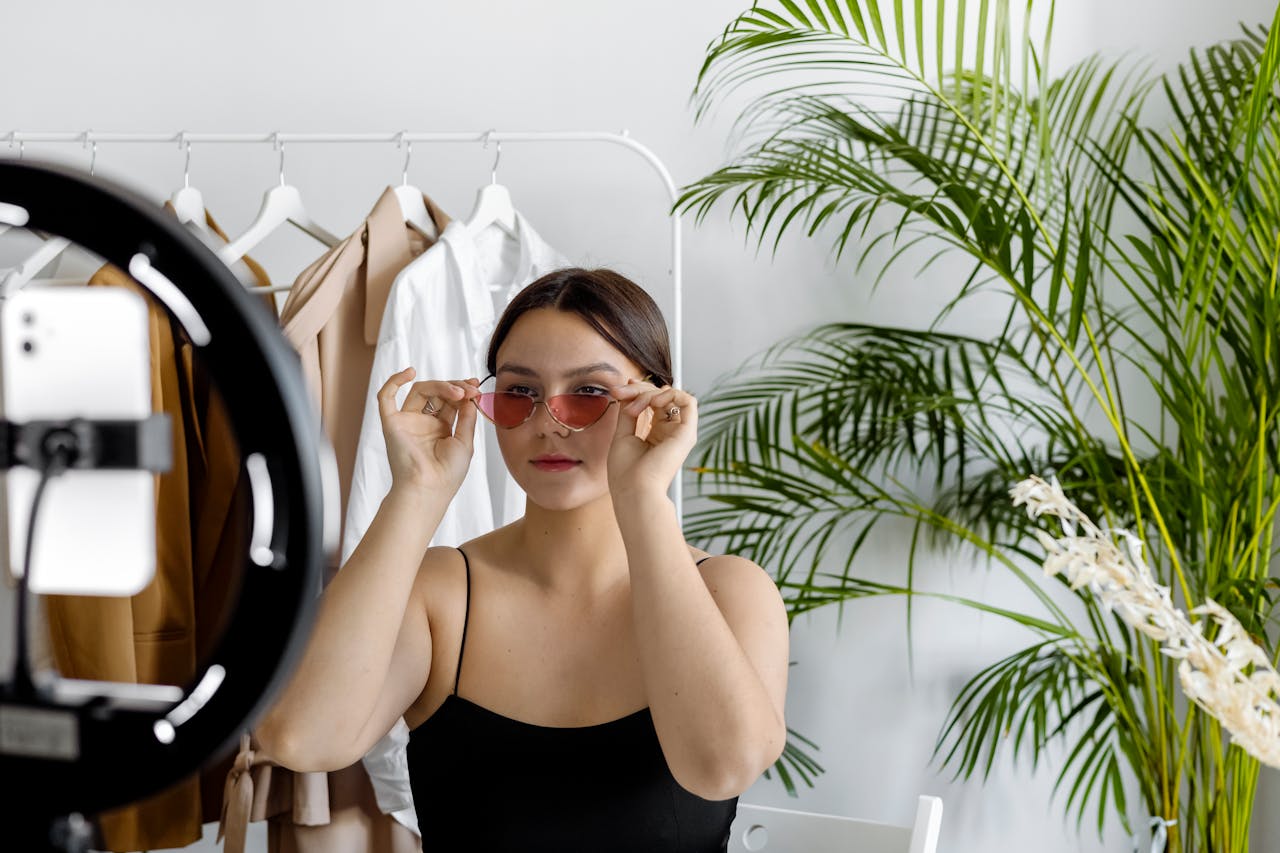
[{"x": 161, "y": 634}]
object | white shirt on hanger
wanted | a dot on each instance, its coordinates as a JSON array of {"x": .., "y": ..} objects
[{"x": 439, "y": 317}]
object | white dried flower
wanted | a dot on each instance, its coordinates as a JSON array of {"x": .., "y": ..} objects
[{"x": 1212, "y": 672}]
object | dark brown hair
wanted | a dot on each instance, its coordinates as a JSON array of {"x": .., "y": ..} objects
[{"x": 616, "y": 307}]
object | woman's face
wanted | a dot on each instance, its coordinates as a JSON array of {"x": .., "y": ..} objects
[{"x": 549, "y": 352}]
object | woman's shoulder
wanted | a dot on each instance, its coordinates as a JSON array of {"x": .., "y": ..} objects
[
  {"x": 719, "y": 561},
  {"x": 730, "y": 570},
  {"x": 487, "y": 546},
  {"x": 442, "y": 568},
  {"x": 437, "y": 556},
  {"x": 741, "y": 586}
]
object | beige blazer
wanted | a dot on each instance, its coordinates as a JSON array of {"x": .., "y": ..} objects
[{"x": 332, "y": 316}]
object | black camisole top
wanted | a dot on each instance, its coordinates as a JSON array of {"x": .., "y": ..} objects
[{"x": 485, "y": 782}]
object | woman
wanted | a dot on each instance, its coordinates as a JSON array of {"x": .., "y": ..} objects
[{"x": 620, "y": 687}]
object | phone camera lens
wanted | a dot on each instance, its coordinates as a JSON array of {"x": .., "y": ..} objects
[{"x": 28, "y": 346}]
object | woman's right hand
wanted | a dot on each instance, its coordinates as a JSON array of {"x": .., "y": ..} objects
[{"x": 426, "y": 450}]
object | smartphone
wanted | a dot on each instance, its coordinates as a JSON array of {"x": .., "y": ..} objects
[{"x": 78, "y": 352}]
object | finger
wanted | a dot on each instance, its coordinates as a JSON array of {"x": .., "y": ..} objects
[
  {"x": 439, "y": 394},
  {"x": 669, "y": 398},
  {"x": 641, "y": 401},
  {"x": 626, "y": 423},
  {"x": 436, "y": 392},
  {"x": 675, "y": 440},
  {"x": 688, "y": 414},
  {"x": 387, "y": 393},
  {"x": 668, "y": 394},
  {"x": 662, "y": 399},
  {"x": 465, "y": 429},
  {"x": 417, "y": 396},
  {"x": 632, "y": 387},
  {"x": 470, "y": 391}
]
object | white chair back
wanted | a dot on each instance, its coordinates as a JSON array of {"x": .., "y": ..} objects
[{"x": 774, "y": 830}]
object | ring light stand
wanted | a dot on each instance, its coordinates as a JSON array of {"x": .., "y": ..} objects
[{"x": 71, "y": 748}]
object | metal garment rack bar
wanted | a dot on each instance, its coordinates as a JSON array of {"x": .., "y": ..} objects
[{"x": 275, "y": 139}]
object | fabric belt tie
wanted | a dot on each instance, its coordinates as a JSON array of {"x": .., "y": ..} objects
[{"x": 237, "y": 800}]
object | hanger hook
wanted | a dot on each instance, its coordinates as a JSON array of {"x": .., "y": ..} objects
[
  {"x": 493, "y": 173},
  {"x": 183, "y": 142},
  {"x": 278, "y": 143},
  {"x": 93, "y": 157},
  {"x": 404, "y": 175}
]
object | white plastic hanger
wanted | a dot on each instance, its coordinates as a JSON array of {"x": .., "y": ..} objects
[
  {"x": 22, "y": 150},
  {"x": 187, "y": 202},
  {"x": 410, "y": 198},
  {"x": 279, "y": 205},
  {"x": 493, "y": 202},
  {"x": 18, "y": 277}
]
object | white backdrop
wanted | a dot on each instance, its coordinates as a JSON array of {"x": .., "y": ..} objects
[{"x": 384, "y": 66}]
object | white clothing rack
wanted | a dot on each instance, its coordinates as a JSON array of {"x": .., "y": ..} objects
[{"x": 275, "y": 139}]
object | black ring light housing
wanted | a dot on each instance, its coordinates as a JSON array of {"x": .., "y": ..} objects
[{"x": 122, "y": 755}]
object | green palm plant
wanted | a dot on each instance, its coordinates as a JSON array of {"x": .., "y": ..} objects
[{"x": 1133, "y": 260}]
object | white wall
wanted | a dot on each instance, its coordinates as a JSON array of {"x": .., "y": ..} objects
[{"x": 236, "y": 65}]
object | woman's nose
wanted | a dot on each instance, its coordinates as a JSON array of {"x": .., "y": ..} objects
[{"x": 543, "y": 419}]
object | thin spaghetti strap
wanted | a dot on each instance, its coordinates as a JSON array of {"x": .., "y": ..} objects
[
  {"x": 465, "y": 618},
  {"x": 704, "y": 559}
]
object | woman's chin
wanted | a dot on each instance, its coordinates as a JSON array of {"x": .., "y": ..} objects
[{"x": 551, "y": 499}]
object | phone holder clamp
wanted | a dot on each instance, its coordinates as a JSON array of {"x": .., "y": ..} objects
[{"x": 145, "y": 444}]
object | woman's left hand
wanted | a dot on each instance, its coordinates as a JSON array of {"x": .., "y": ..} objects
[{"x": 647, "y": 459}]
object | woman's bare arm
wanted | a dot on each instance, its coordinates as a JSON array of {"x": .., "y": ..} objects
[
  {"x": 713, "y": 653},
  {"x": 713, "y": 643},
  {"x": 369, "y": 653}
]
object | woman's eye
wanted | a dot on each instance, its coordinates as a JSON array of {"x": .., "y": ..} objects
[{"x": 581, "y": 389}]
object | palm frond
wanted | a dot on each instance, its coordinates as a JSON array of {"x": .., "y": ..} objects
[
  {"x": 1134, "y": 261},
  {"x": 1053, "y": 690}
]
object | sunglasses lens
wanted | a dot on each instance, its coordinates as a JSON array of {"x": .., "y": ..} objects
[
  {"x": 579, "y": 410},
  {"x": 505, "y": 409}
]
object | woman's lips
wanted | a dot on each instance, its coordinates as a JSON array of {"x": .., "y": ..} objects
[{"x": 554, "y": 464}]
